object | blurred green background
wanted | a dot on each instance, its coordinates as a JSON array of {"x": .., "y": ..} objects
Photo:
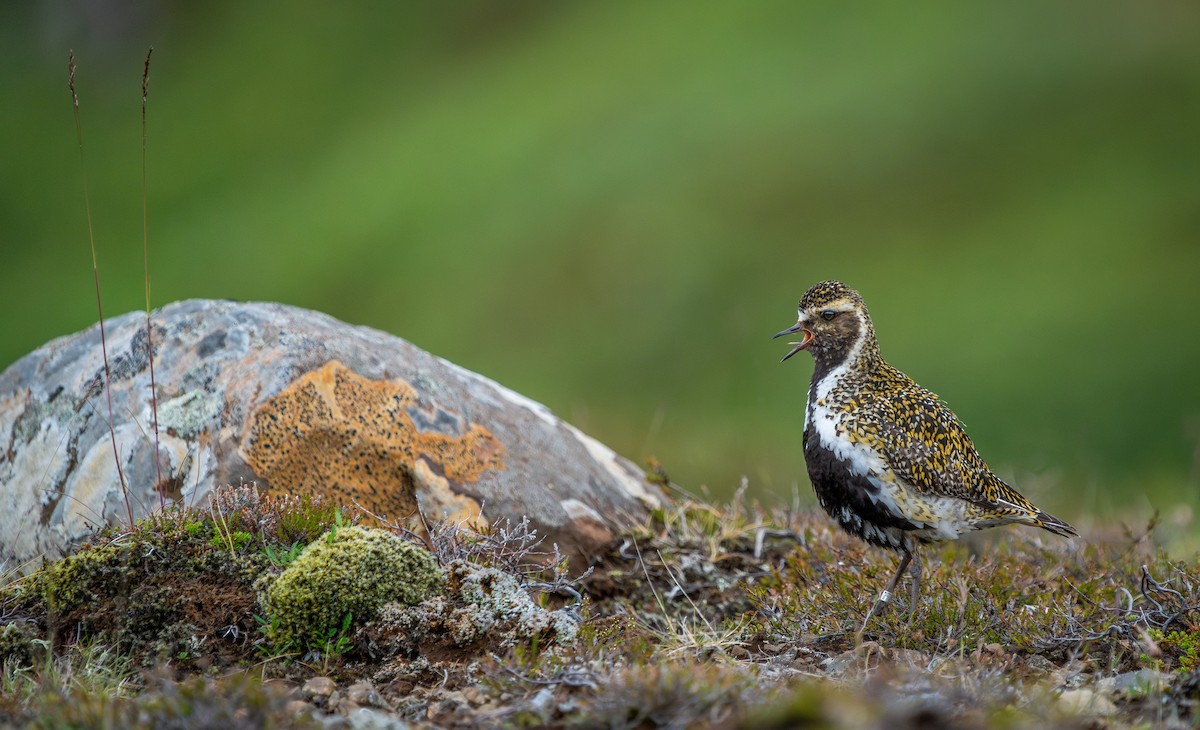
[{"x": 611, "y": 207}]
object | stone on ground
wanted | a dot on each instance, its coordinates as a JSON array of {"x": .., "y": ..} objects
[{"x": 297, "y": 402}]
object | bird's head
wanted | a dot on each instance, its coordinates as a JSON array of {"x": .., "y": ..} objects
[{"x": 833, "y": 323}]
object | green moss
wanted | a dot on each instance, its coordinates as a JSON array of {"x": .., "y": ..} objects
[
  {"x": 82, "y": 576},
  {"x": 195, "y": 529},
  {"x": 152, "y": 592},
  {"x": 19, "y": 643},
  {"x": 353, "y": 570},
  {"x": 233, "y": 541},
  {"x": 305, "y": 519}
]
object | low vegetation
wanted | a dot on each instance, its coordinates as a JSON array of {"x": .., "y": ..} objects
[{"x": 267, "y": 611}]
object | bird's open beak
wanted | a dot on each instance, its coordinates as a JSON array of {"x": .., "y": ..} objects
[{"x": 798, "y": 346}]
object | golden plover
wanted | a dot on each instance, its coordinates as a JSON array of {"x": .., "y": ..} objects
[{"x": 887, "y": 459}]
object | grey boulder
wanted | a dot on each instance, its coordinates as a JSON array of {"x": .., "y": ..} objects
[{"x": 297, "y": 402}]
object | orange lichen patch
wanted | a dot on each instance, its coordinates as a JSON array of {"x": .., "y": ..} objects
[{"x": 352, "y": 440}]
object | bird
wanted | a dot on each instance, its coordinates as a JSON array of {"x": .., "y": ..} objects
[{"x": 888, "y": 460}]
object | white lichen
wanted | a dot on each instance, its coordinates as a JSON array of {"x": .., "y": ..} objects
[{"x": 481, "y": 605}]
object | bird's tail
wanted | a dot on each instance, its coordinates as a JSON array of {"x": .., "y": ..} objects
[
  {"x": 1053, "y": 524},
  {"x": 1019, "y": 509}
]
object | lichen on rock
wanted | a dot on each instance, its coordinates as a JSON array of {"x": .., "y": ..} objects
[
  {"x": 482, "y": 608},
  {"x": 495, "y": 601},
  {"x": 336, "y": 433},
  {"x": 349, "y": 570}
]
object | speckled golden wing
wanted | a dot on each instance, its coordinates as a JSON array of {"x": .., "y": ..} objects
[{"x": 926, "y": 446}]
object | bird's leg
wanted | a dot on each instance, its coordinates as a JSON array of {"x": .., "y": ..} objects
[
  {"x": 914, "y": 574},
  {"x": 885, "y": 596}
]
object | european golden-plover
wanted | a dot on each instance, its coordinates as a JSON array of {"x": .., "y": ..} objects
[{"x": 888, "y": 460}]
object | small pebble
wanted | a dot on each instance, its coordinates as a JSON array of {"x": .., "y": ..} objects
[
  {"x": 319, "y": 687},
  {"x": 364, "y": 694},
  {"x": 1087, "y": 702}
]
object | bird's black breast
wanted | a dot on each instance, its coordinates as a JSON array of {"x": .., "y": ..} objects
[{"x": 847, "y": 497}]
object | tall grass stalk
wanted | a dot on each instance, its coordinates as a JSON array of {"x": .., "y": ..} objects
[
  {"x": 159, "y": 486},
  {"x": 96, "y": 280}
]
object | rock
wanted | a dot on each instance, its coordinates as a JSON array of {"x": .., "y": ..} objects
[
  {"x": 319, "y": 688},
  {"x": 363, "y": 694},
  {"x": 1141, "y": 681},
  {"x": 297, "y": 707},
  {"x": 1087, "y": 702},
  {"x": 297, "y": 402}
]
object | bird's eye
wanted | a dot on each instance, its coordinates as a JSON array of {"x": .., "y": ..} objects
[{"x": 828, "y": 315}]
